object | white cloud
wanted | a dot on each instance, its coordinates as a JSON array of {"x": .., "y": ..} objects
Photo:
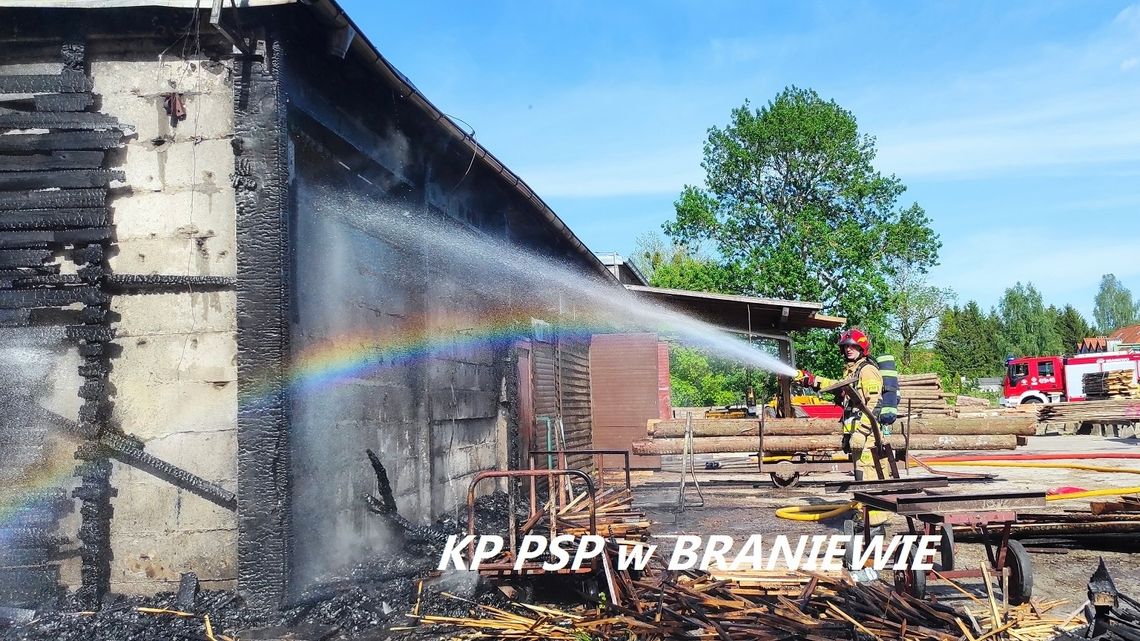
[{"x": 1129, "y": 64}]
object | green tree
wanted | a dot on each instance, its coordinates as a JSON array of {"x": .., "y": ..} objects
[
  {"x": 967, "y": 343},
  {"x": 1113, "y": 305},
  {"x": 700, "y": 380},
  {"x": 1071, "y": 326},
  {"x": 1027, "y": 327},
  {"x": 915, "y": 309},
  {"x": 794, "y": 208}
]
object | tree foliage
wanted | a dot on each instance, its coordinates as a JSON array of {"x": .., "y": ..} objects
[
  {"x": 1027, "y": 327},
  {"x": 968, "y": 342},
  {"x": 699, "y": 380},
  {"x": 1113, "y": 305},
  {"x": 795, "y": 209},
  {"x": 916, "y": 307},
  {"x": 1071, "y": 327}
]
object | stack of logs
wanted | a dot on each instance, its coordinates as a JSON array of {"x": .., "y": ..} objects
[
  {"x": 1104, "y": 385},
  {"x": 922, "y": 395},
  {"x": 790, "y": 435}
]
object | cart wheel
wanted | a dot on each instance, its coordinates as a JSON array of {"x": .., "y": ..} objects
[
  {"x": 1020, "y": 573},
  {"x": 782, "y": 481},
  {"x": 946, "y": 548},
  {"x": 916, "y": 580}
]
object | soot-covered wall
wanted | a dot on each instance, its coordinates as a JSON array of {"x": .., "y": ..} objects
[{"x": 386, "y": 311}]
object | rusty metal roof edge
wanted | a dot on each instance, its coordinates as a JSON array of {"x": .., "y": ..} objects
[
  {"x": 753, "y": 300},
  {"x": 335, "y": 16}
]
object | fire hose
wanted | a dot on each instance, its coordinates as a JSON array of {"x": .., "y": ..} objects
[{"x": 823, "y": 511}]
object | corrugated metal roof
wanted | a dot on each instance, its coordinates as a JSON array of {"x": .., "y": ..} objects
[{"x": 743, "y": 313}]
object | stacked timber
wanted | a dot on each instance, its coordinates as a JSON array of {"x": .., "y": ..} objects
[
  {"x": 1110, "y": 411},
  {"x": 922, "y": 395},
  {"x": 830, "y": 443},
  {"x": 1105, "y": 385},
  {"x": 971, "y": 401},
  {"x": 1015, "y": 424}
]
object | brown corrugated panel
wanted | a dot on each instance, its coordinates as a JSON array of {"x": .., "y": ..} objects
[
  {"x": 625, "y": 383},
  {"x": 560, "y": 389},
  {"x": 664, "y": 383},
  {"x": 574, "y": 395}
]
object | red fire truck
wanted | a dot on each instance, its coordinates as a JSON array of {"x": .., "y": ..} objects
[{"x": 1052, "y": 379}]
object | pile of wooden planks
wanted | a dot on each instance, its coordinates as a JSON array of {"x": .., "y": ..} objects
[
  {"x": 767, "y": 606},
  {"x": 922, "y": 394},
  {"x": 1103, "y": 385},
  {"x": 614, "y": 513},
  {"x": 1110, "y": 411}
]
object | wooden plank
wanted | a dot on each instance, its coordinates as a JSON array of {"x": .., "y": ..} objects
[
  {"x": 61, "y": 297},
  {"x": 63, "y": 101},
  {"x": 108, "y": 139},
  {"x": 52, "y": 218},
  {"x": 71, "y": 120},
  {"x": 64, "y": 179},
  {"x": 39, "y": 238},
  {"x": 10, "y": 258},
  {"x": 63, "y": 198},
  {"x": 53, "y": 160},
  {"x": 66, "y": 82}
]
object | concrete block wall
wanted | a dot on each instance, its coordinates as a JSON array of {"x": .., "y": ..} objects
[{"x": 175, "y": 377}]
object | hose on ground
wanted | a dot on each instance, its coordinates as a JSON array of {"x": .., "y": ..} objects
[{"x": 824, "y": 511}]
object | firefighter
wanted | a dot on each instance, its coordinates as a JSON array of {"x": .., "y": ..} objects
[{"x": 856, "y": 349}]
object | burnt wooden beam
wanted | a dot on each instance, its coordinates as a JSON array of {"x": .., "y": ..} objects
[
  {"x": 23, "y": 257},
  {"x": 52, "y": 218},
  {"x": 63, "y": 101},
  {"x": 50, "y": 102},
  {"x": 63, "y": 198},
  {"x": 58, "y": 120},
  {"x": 64, "y": 179},
  {"x": 163, "y": 282},
  {"x": 65, "y": 82},
  {"x": 35, "y": 238},
  {"x": 108, "y": 139},
  {"x": 53, "y": 160},
  {"x": 33, "y": 298}
]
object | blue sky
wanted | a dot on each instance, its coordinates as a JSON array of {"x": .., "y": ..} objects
[{"x": 1015, "y": 124}]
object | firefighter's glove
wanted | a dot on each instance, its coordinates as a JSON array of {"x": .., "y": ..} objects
[
  {"x": 806, "y": 379},
  {"x": 847, "y": 442}
]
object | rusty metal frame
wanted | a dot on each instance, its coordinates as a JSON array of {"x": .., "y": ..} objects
[
  {"x": 508, "y": 567},
  {"x": 928, "y": 511},
  {"x": 599, "y": 462},
  {"x": 885, "y": 486}
]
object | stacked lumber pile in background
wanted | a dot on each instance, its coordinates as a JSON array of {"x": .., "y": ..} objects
[
  {"x": 1103, "y": 385},
  {"x": 790, "y": 435},
  {"x": 1110, "y": 411},
  {"x": 922, "y": 394}
]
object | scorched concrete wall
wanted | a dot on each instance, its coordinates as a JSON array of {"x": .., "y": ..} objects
[{"x": 174, "y": 379}]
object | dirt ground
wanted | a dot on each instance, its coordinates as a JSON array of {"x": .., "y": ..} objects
[{"x": 739, "y": 502}]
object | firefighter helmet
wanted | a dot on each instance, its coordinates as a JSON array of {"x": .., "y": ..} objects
[{"x": 857, "y": 338}]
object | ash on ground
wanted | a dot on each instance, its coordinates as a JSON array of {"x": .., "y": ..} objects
[{"x": 371, "y": 601}]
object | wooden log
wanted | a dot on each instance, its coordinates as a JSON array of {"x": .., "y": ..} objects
[
  {"x": 833, "y": 442},
  {"x": 704, "y": 428}
]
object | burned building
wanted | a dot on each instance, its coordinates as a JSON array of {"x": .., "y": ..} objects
[{"x": 210, "y": 214}]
